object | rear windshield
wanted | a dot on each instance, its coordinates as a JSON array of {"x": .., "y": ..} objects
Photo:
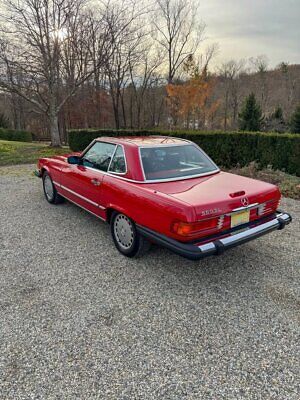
[{"x": 175, "y": 162}]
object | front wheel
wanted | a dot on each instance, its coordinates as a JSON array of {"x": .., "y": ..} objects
[
  {"x": 50, "y": 191},
  {"x": 125, "y": 236}
]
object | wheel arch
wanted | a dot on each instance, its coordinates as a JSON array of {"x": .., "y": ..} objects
[
  {"x": 44, "y": 169},
  {"x": 111, "y": 209}
]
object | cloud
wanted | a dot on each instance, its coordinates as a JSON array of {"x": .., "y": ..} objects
[{"x": 248, "y": 28}]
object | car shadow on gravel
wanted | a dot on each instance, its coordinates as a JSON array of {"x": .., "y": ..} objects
[
  {"x": 239, "y": 272},
  {"x": 240, "y": 261}
]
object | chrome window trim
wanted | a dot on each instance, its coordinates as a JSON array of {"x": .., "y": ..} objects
[
  {"x": 181, "y": 178},
  {"x": 87, "y": 148},
  {"x": 165, "y": 145},
  {"x": 126, "y": 169},
  {"x": 153, "y": 181},
  {"x": 99, "y": 141},
  {"x": 116, "y": 146},
  {"x": 114, "y": 175},
  {"x": 129, "y": 139},
  {"x": 145, "y": 181},
  {"x": 141, "y": 164},
  {"x": 112, "y": 156},
  {"x": 79, "y": 195}
]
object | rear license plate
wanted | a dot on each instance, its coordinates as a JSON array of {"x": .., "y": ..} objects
[{"x": 240, "y": 218}]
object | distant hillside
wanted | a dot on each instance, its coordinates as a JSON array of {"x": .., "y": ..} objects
[
  {"x": 92, "y": 107},
  {"x": 273, "y": 88}
]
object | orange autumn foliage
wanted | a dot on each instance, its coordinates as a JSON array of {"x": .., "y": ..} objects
[{"x": 190, "y": 101}]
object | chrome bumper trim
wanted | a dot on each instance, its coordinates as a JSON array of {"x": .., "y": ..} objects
[
  {"x": 246, "y": 235},
  {"x": 219, "y": 244}
]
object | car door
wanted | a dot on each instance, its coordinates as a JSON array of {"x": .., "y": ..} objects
[{"x": 82, "y": 183}]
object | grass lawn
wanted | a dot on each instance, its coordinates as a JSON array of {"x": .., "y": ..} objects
[{"x": 12, "y": 153}]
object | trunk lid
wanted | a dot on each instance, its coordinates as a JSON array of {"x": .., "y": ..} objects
[{"x": 218, "y": 194}]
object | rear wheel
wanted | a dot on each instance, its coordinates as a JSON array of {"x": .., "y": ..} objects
[
  {"x": 126, "y": 238},
  {"x": 50, "y": 191}
]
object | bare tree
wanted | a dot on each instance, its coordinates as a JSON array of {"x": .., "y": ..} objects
[
  {"x": 289, "y": 84},
  {"x": 229, "y": 73},
  {"x": 143, "y": 76},
  {"x": 47, "y": 43},
  {"x": 126, "y": 35},
  {"x": 260, "y": 65},
  {"x": 176, "y": 30}
]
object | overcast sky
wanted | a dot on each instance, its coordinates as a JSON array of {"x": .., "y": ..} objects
[{"x": 247, "y": 28}]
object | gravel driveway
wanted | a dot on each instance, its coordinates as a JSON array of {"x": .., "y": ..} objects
[{"x": 80, "y": 321}]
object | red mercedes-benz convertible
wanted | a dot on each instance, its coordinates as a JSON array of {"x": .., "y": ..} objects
[{"x": 163, "y": 190}]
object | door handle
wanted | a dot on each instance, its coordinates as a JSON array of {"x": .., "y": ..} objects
[{"x": 95, "y": 182}]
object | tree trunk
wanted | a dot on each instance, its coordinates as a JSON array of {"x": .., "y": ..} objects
[
  {"x": 54, "y": 130},
  {"x": 115, "y": 104},
  {"x": 131, "y": 111},
  {"x": 226, "y": 110},
  {"x": 98, "y": 96},
  {"x": 123, "y": 112},
  {"x": 116, "y": 115},
  {"x": 138, "y": 116}
]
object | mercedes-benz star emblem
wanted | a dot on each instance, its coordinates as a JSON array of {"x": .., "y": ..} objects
[{"x": 245, "y": 201}]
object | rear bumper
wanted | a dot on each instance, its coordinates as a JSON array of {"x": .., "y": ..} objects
[{"x": 220, "y": 243}]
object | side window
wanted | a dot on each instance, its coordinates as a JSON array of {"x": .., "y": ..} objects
[
  {"x": 99, "y": 156},
  {"x": 118, "y": 163}
]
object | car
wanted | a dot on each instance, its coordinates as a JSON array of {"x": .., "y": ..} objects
[{"x": 163, "y": 190}]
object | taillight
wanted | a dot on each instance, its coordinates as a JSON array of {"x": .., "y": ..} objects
[
  {"x": 268, "y": 207},
  {"x": 261, "y": 209},
  {"x": 191, "y": 229}
]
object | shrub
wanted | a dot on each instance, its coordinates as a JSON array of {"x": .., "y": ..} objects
[
  {"x": 278, "y": 114},
  {"x": 17, "y": 136},
  {"x": 295, "y": 121},
  {"x": 227, "y": 149}
]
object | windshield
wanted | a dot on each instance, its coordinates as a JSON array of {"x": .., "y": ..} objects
[{"x": 175, "y": 162}]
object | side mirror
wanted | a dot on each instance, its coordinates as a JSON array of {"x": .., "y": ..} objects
[{"x": 74, "y": 160}]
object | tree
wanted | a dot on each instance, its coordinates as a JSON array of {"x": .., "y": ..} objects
[
  {"x": 143, "y": 76},
  {"x": 295, "y": 121},
  {"x": 45, "y": 54},
  {"x": 190, "y": 100},
  {"x": 229, "y": 73},
  {"x": 260, "y": 64},
  {"x": 289, "y": 83},
  {"x": 177, "y": 32},
  {"x": 4, "y": 121},
  {"x": 251, "y": 115},
  {"x": 278, "y": 113},
  {"x": 126, "y": 34},
  {"x": 275, "y": 122}
]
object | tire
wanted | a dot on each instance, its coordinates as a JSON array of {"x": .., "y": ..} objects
[
  {"x": 50, "y": 191},
  {"x": 125, "y": 236}
]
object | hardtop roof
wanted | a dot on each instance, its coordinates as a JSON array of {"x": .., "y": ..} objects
[{"x": 141, "y": 141}]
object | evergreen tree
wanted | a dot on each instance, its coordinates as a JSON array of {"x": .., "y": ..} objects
[
  {"x": 278, "y": 114},
  {"x": 275, "y": 122},
  {"x": 250, "y": 118},
  {"x": 295, "y": 121}
]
